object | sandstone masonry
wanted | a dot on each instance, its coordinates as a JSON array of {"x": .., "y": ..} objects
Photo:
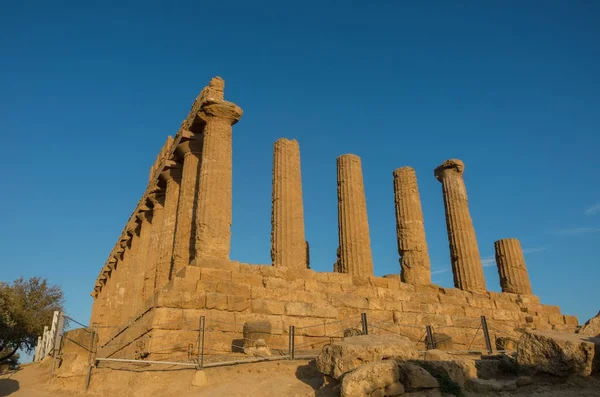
[{"x": 171, "y": 265}]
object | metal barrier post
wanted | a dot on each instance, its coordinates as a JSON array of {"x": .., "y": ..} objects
[
  {"x": 201, "y": 330},
  {"x": 293, "y": 331},
  {"x": 90, "y": 354},
  {"x": 430, "y": 341},
  {"x": 486, "y": 335},
  {"x": 364, "y": 323}
]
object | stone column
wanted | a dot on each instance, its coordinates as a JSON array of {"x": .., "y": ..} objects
[
  {"x": 138, "y": 275},
  {"x": 511, "y": 267},
  {"x": 464, "y": 252},
  {"x": 213, "y": 214},
  {"x": 185, "y": 226},
  {"x": 353, "y": 226},
  {"x": 157, "y": 199},
  {"x": 288, "y": 246},
  {"x": 127, "y": 269},
  {"x": 410, "y": 229},
  {"x": 171, "y": 176}
]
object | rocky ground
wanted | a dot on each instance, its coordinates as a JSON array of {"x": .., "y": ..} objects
[{"x": 546, "y": 364}]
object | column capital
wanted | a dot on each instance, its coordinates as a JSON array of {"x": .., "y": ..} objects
[
  {"x": 171, "y": 171},
  {"x": 449, "y": 167},
  {"x": 224, "y": 110}
]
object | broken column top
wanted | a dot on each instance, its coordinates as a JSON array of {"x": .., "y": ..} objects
[
  {"x": 451, "y": 165},
  {"x": 349, "y": 157},
  {"x": 403, "y": 170}
]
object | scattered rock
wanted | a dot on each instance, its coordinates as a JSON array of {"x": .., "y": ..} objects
[
  {"x": 558, "y": 353},
  {"x": 199, "y": 379},
  {"x": 368, "y": 378},
  {"x": 488, "y": 385},
  {"x": 424, "y": 393},
  {"x": 524, "y": 380},
  {"x": 414, "y": 377},
  {"x": 349, "y": 332},
  {"x": 591, "y": 327},
  {"x": 394, "y": 389},
  {"x": 456, "y": 371},
  {"x": 341, "y": 357},
  {"x": 506, "y": 343}
]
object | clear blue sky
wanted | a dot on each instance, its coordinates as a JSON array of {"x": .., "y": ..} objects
[{"x": 90, "y": 90}]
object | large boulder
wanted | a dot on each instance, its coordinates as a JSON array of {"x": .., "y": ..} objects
[
  {"x": 368, "y": 378},
  {"x": 341, "y": 357},
  {"x": 591, "y": 327},
  {"x": 416, "y": 378},
  {"x": 559, "y": 353}
]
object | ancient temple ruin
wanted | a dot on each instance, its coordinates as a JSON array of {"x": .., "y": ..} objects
[{"x": 171, "y": 264}]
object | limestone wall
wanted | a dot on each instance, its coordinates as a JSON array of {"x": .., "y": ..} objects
[{"x": 230, "y": 294}]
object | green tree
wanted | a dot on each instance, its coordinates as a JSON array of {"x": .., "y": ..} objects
[{"x": 26, "y": 306}]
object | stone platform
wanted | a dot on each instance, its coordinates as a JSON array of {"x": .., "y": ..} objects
[{"x": 229, "y": 294}]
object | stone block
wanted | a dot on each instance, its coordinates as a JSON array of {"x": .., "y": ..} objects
[
  {"x": 231, "y": 288},
  {"x": 246, "y": 268},
  {"x": 210, "y": 274},
  {"x": 306, "y": 326},
  {"x": 321, "y": 286},
  {"x": 571, "y": 320},
  {"x": 549, "y": 309},
  {"x": 276, "y": 282},
  {"x": 419, "y": 307},
  {"x": 453, "y": 310},
  {"x": 216, "y": 301},
  {"x": 217, "y": 320},
  {"x": 206, "y": 286},
  {"x": 349, "y": 300},
  {"x": 191, "y": 272},
  {"x": 253, "y": 280},
  {"x": 182, "y": 283},
  {"x": 237, "y": 303},
  {"x": 276, "y": 321},
  {"x": 506, "y": 304},
  {"x": 341, "y": 278},
  {"x": 310, "y": 310},
  {"x": 480, "y": 301},
  {"x": 181, "y": 299},
  {"x": 505, "y": 315},
  {"x": 556, "y": 319},
  {"x": 265, "y": 306},
  {"x": 168, "y": 318},
  {"x": 398, "y": 295},
  {"x": 452, "y": 300},
  {"x": 378, "y": 282},
  {"x": 384, "y": 304}
]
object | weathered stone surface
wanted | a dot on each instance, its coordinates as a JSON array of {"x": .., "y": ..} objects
[
  {"x": 365, "y": 379},
  {"x": 213, "y": 211},
  {"x": 524, "y": 380},
  {"x": 591, "y": 327},
  {"x": 185, "y": 228},
  {"x": 490, "y": 385},
  {"x": 355, "y": 255},
  {"x": 340, "y": 357},
  {"x": 514, "y": 277},
  {"x": 464, "y": 252},
  {"x": 288, "y": 245},
  {"x": 415, "y": 378},
  {"x": 558, "y": 353},
  {"x": 395, "y": 389},
  {"x": 410, "y": 230}
]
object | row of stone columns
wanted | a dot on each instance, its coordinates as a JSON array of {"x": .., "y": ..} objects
[
  {"x": 185, "y": 215},
  {"x": 354, "y": 251}
]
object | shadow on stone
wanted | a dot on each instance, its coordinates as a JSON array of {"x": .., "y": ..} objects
[{"x": 323, "y": 386}]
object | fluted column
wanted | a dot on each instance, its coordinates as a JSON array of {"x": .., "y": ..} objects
[
  {"x": 514, "y": 277},
  {"x": 171, "y": 176},
  {"x": 125, "y": 286},
  {"x": 288, "y": 246},
  {"x": 353, "y": 226},
  {"x": 464, "y": 252},
  {"x": 139, "y": 270},
  {"x": 213, "y": 213},
  {"x": 190, "y": 150},
  {"x": 410, "y": 229},
  {"x": 157, "y": 199}
]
